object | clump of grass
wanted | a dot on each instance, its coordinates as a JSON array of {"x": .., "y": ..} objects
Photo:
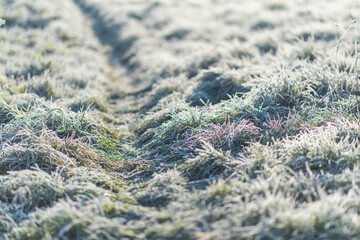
[
  {"x": 160, "y": 114},
  {"x": 49, "y": 137},
  {"x": 28, "y": 190},
  {"x": 43, "y": 86},
  {"x": 279, "y": 127},
  {"x": 42, "y": 115},
  {"x": 209, "y": 163},
  {"x": 178, "y": 125},
  {"x": 178, "y": 231},
  {"x": 7, "y": 113},
  {"x": 24, "y": 149},
  {"x": 321, "y": 149},
  {"x": 162, "y": 189},
  {"x": 85, "y": 103},
  {"x": 32, "y": 192},
  {"x": 229, "y": 136},
  {"x": 90, "y": 218},
  {"x": 240, "y": 108}
]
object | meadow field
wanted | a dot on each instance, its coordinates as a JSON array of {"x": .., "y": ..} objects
[{"x": 159, "y": 119}]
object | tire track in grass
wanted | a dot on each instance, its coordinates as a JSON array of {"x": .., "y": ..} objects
[
  {"x": 125, "y": 91},
  {"x": 58, "y": 154}
]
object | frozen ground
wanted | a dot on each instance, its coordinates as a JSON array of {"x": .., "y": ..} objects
[{"x": 163, "y": 119}]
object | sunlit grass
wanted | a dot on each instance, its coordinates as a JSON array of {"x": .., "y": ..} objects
[{"x": 179, "y": 120}]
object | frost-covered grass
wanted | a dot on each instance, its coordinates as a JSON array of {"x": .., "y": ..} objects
[{"x": 179, "y": 119}]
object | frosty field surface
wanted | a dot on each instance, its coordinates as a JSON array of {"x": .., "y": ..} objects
[{"x": 163, "y": 119}]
